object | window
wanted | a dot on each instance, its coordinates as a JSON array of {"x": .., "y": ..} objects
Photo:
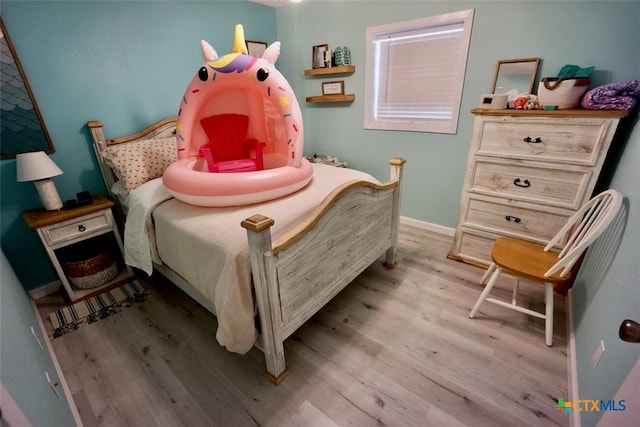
[{"x": 415, "y": 73}]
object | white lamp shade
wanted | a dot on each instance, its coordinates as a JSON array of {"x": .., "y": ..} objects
[{"x": 35, "y": 166}]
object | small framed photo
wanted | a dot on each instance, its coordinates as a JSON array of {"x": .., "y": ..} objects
[
  {"x": 333, "y": 88},
  {"x": 256, "y": 48},
  {"x": 318, "y": 56}
]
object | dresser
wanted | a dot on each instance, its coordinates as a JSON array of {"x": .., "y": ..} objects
[{"x": 527, "y": 173}]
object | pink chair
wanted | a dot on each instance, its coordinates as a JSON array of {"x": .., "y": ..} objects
[{"x": 229, "y": 149}]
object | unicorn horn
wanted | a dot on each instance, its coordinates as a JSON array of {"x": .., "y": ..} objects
[{"x": 239, "y": 45}]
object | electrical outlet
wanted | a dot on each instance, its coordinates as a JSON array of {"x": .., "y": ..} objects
[{"x": 597, "y": 354}]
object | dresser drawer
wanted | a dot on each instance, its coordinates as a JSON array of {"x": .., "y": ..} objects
[
  {"x": 475, "y": 247},
  {"x": 538, "y": 183},
  {"x": 507, "y": 217},
  {"x": 75, "y": 228},
  {"x": 572, "y": 141}
]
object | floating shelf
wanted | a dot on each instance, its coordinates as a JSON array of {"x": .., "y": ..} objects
[
  {"x": 331, "y": 98},
  {"x": 343, "y": 69}
]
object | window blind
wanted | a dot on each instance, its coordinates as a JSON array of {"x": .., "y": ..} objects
[
  {"x": 415, "y": 73},
  {"x": 418, "y": 71}
]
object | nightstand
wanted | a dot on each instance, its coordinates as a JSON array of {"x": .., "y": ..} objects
[{"x": 60, "y": 230}]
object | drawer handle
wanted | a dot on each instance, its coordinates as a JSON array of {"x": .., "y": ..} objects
[
  {"x": 538, "y": 140},
  {"x": 81, "y": 228},
  {"x": 510, "y": 218},
  {"x": 519, "y": 183}
]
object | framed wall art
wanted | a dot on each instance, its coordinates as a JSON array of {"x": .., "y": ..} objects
[
  {"x": 333, "y": 88},
  {"x": 256, "y": 48},
  {"x": 22, "y": 129}
]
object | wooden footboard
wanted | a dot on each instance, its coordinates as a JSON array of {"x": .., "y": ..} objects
[{"x": 300, "y": 272}]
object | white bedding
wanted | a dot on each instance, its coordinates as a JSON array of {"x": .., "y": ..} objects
[{"x": 208, "y": 247}]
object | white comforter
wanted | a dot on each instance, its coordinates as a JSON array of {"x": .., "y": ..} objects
[{"x": 208, "y": 247}]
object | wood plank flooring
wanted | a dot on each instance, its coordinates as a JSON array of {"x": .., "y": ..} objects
[{"x": 395, "y": 348}]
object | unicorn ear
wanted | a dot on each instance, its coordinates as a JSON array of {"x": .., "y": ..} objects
[
  {"x": 272, "y": 53},
  {"x": 208, "y": 52}
]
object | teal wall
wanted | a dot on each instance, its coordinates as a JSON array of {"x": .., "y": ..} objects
[
  {"x": 124, "y": 63},
  {"x": 573, "y": 33},
  {"x": 23, "y": 363},
  {"x": 127, "y": 64},
  {"x": 607, "y": 291},
  {"x": 604, "y": 34}
]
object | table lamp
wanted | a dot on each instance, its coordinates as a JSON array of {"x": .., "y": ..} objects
[{"x": 39, "y": 168}]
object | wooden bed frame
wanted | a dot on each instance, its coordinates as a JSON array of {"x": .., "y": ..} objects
[{"x": 297, "y": 274}]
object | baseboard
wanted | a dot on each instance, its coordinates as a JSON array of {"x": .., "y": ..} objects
[
  {"x": 436, "y": 228},
  {"x": 572, "y": 368},
  {"x": 45, "y": 290}
]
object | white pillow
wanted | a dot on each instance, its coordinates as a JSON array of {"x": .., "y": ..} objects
[{"x": 135, "y": 163}]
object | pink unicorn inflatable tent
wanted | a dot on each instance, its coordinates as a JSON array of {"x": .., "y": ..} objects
[{"x": 239, "y": 132}]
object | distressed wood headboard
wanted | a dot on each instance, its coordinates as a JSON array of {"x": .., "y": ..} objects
[{"x": 162, "y": 129}]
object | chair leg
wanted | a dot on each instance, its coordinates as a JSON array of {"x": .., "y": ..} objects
[
  {"x": 548, "y": 323},
  {"x": 496, "y": 273},
  {"x": 487, "y": 273},
  {"x": 514, "y": 294},
  {"x": 206, "y": 152}
]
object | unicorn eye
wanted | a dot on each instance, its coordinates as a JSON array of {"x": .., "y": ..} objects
[
  {"x": 262, "y": 74},
  {"x": 203, "y": 74}
]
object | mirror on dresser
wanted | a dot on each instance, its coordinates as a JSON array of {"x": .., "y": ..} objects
[{"x": 515, "y": 74}]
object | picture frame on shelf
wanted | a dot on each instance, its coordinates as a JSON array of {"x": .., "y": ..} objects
[
  {"x": 255, "y": 48},
  {"x": 318, "y": 54},
  {"x": 333, "y": 88}
]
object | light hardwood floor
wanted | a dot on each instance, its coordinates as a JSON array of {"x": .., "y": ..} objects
[{"x": 395, "y": 348}]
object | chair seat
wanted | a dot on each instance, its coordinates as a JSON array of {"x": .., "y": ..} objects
[
  {"x": 526, "y": 259},
  {"x": 241, "y": 165}
]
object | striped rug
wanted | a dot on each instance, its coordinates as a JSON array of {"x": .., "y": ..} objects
[{"x": 99, "y": 307}]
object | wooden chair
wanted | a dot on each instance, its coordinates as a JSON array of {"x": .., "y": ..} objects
[
  {"x": 541, "y": 265},
  {"x": 229, "y": 149}
]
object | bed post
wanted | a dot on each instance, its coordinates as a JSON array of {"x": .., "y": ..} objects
[
  {"x": 266, "y": 286},
  {"x": 99, "y": 147},
  {"x": 397, "y": 164}
]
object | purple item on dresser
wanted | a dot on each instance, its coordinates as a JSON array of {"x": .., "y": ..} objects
[{"x": 613, "y": 96}]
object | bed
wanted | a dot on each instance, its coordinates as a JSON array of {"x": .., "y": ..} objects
[{"x": 262, "y": 269}]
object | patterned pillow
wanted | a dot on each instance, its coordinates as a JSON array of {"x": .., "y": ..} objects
[{"x": 135, "y": 163}]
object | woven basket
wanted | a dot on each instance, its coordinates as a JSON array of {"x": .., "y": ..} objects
[
  {"x": 563, "y": 93},
  {"x": 92, "y": 272}
]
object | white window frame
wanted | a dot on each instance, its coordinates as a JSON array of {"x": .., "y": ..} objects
[{"x": 429, "y": 122}]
